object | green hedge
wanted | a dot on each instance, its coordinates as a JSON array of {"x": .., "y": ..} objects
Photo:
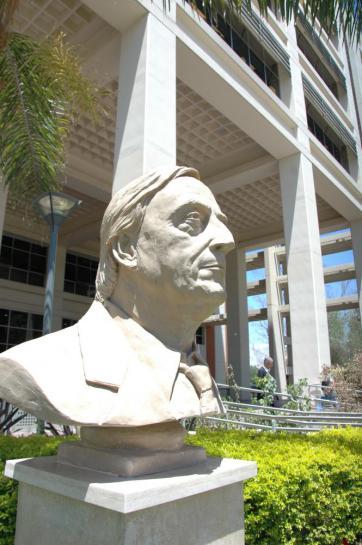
[
  {"x": 308, "y": 489},
  {"x": 12, "y": 448}
]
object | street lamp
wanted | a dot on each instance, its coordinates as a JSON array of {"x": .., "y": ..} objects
[{"x": 54, "y": 208}]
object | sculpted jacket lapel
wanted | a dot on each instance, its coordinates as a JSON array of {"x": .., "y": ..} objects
[
  {"x": 120, "y": 355},
  {"x": 105, "y": 352}
]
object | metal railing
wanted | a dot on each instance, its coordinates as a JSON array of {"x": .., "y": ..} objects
[{"x": 246, "y": 415}]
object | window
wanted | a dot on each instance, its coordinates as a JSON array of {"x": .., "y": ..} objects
[
  {"x": 199, "y": 336},
  {"x": 17, "y": 327},
  {"x": 23, "y": 261},
  {"x": 80, "y": 275},
  {"x": 326, "y": 136},
  {"x": 247, "y": 47},
  {"x": 317, "y": 63},
  {"x": 67, "y": 322}
]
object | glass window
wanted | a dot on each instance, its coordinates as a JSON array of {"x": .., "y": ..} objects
[
  {"x": 80, "y": 275},
  {"x": 249, "y": 49},
  {"x": 326, "y": 136},
  {"x": 67, "y": 322},
  {"x": 22, "y": 261},
  {"x": 199, "y": 336},
  {"x": 17, "y": 327}
]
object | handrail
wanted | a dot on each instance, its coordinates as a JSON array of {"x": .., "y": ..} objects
[
  {"x": 324, "y": 418},
  {"x": 283, "y": 410},
  {"x": 280, "y": 394}
]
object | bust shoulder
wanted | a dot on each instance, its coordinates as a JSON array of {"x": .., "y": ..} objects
[{"x": 33, "y": 372}]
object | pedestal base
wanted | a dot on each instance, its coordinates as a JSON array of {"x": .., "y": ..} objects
[{"x": 63, "y": 505}]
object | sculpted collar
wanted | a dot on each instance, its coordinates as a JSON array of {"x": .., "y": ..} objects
[{"x": 111, "y": 341}]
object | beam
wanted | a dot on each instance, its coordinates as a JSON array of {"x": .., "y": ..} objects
[{"x": 243, "y": 175}]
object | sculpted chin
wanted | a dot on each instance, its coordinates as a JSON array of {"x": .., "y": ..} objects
[{"x": 131, "y": 361}]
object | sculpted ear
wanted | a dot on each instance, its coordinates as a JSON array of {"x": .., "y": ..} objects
[{"x": 124, "y": 251}]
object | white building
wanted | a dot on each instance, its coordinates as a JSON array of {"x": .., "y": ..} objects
[{"x": 271, "y": 116}]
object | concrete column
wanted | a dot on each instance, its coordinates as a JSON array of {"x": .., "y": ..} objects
[
  {"x": 237, "y": 316},
  {"x": 146, "y": 111},
  {"x": 275, "y": 331},
  {"x": 307, "y": 301},
  {"x": 356, "y": 230},
  {"x": 3, "y": 200}
]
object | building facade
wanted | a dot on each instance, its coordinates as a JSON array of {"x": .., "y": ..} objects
[{"x": 268, "y": 112}]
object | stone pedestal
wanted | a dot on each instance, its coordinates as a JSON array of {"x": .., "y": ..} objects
[{"x": 64, "y": 505}]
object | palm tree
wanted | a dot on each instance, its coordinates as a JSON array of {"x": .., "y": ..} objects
[
  {"x": 346, "y": 15},
  {"x": 42, "y": 90}
]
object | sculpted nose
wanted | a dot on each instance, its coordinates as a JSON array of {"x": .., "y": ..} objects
[{"x": 223, "y": 240}]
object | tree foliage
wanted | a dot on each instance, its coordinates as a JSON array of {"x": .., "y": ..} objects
[
  {"x": 346, "y": 15},
  {"x": 345, "y": 335},
  {"x": 42, "y": 90}
]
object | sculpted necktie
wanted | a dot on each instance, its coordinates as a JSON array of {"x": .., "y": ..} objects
[{"x": 197, "y": 372}]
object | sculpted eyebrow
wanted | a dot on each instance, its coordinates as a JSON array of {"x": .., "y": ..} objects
[{"x": 191, "y": 205}]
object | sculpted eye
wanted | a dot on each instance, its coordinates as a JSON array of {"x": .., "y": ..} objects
[{"x": 192, "y": 223}]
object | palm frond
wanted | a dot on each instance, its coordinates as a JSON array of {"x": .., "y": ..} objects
[
  {"x": 42, "y": 90},
  {"x": 346, "y": 15}
]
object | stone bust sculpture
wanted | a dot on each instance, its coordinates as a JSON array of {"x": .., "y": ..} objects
[{"x": 130, "y": 361}]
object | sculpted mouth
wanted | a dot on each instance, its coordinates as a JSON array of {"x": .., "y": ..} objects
[{"x": 213, "y": 266}]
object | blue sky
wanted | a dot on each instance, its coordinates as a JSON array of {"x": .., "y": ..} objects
[{"x": 258, "y": 337}]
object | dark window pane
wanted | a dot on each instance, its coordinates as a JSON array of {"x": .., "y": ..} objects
[
  {"x": 18, "y": 319},
  {"x": 71, "y": 258},
  {"x": 18, "y": 276},
  {"x": 82, "y": 289},
  {"x": 17, "y": 336},
  {"x": 337, "y": 154},
  {"x": 4, "y": 316},
  {"x": 69, "y": 286},
  {"x": 36, "y": 321},
  {"x": 83, "y": 275},
  {"x": 3, "y": 334},
  {"x": 319, "y": 133},
  {"x": 7, "y": 241},
  {"x": 3, "y": 347},
  {"x": 240, "y": 47},
  {"x": 20, "y": 260},
  {"x": 70, "y": 271},
  {"x": 37, "y": 263},
  {"x": 4, "y": 271},
  {"x": 5, "y": 256},
  {"x": 21, "y": 244},
  {"x": 83, "y": 261},
  {"x": 36, "y": 279},
  {"x": 67, "y": 322},
  {"x": 40, "y": 250},
  {"x": 35, "y": 334}
]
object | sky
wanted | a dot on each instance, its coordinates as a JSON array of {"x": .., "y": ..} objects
[{"x": 258, "y": 331}]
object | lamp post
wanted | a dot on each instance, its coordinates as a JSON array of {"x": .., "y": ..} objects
[{"x": 54, "y": 208}]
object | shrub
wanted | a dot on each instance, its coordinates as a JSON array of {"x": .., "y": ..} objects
[
  {"x": 307, "y": 491},
  {"x": 308, "y": 488},
  {"x": 12, "y": 448}
]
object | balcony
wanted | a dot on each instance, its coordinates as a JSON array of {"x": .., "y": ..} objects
[
  {"x": 319, "y": 57},
  {"x": 263, "y": 53}
]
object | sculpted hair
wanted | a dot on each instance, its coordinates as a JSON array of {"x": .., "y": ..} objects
[{"x": 125, "y": 214}]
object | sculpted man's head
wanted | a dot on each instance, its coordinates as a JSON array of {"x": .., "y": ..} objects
[{"x": 164, "y": 237}]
